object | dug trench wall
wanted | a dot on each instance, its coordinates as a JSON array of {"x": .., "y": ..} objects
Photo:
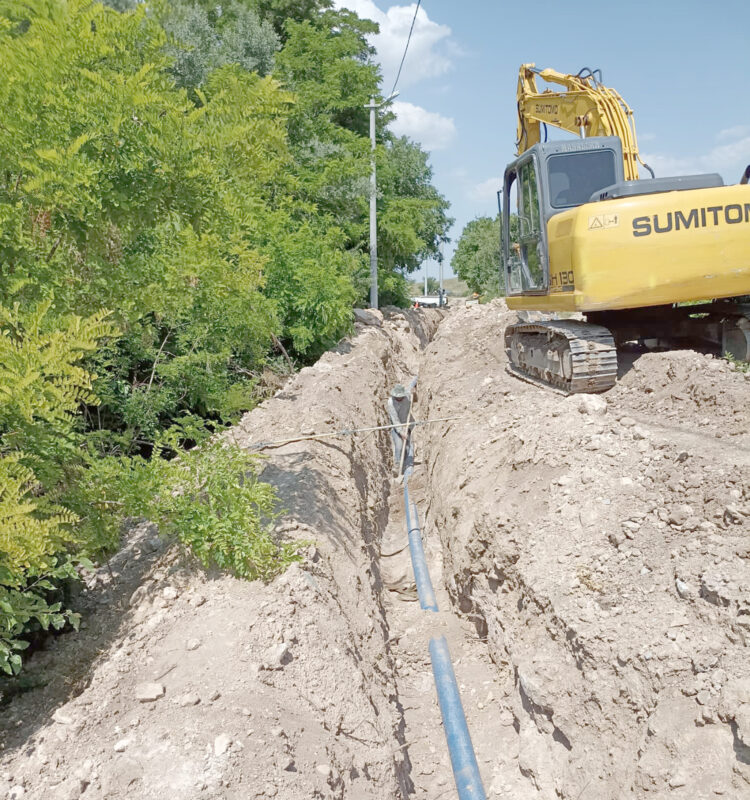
[
  {"x": 602, "y": 547},
  {"x": 191, "y": 684}
]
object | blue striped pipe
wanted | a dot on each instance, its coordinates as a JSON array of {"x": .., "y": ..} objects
[
  {"x": 463, "y": 760},
  {"x": 425, "y": 592}
]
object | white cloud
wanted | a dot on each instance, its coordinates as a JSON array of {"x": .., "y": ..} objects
[
  {"x": 431, "y": 50},
  {"x": 486, "y": 191},
  {"x": 735, "y": 132},
  {"x": 729, "y": 157},
  {"x": 433, "y": 131}
]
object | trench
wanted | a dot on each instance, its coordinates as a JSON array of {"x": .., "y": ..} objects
[
  {"x": 556, "y": 705},
  {"x": 422, "y": 757},
  {"x": 410, "y": 630}
]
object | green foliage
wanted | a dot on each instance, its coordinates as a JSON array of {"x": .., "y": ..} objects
[
  {"x": 24, "y": 611},
  {"x": 31, "y": 531},
  {"x": 329, "y": 66},
  {"x": 220, "y": 509},
  {"x": 740, "y": 366},
  {"x": 393, "y": 289},
  {"x": 327, "y": 63},
  {"x": 477, "y": 256},
  {"x": 42, "y": 384},
  {"x": 201, "y": 40},
  {"x": 209, "y": 498},
  {"x": 279, "y": 12},
  {"x": 121, "y": 195},
  {"x": 121, "y": 5},
  {"x": 412, "y": 213}
]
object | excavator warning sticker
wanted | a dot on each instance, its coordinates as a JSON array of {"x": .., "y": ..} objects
[{"x": 603, "y": 221}]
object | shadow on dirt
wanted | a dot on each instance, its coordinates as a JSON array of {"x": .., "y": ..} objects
[
  {"x": 62, "y": 666},
  {"x": 306, "y": 494}
]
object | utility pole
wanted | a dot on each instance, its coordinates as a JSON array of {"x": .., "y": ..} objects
[
  {"x": 442, "y": 246},
  {"x": 374, "y": 202},
  {"x": 425, "y": 278},
  {"x": 440, "y": 261},
  {"x": 373, "y": 211}
]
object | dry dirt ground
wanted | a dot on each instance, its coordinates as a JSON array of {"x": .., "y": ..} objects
[
  {"x": 602, "y": 547},
  {"x": 591, "y": 558}
]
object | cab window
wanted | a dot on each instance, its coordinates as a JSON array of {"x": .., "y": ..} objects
[{"x": 574, "y": 177}]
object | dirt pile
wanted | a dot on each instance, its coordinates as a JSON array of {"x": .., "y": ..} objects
[
  {"x": 591, "y": 558},
  {"x": 196, "y": 685},
  {"x": 602, "y": 545}
]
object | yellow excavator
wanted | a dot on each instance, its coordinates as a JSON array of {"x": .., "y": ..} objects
[{"x": 654, "y": 260}]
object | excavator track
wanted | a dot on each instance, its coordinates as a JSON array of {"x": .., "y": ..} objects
[{"x": 568, "y": 356}]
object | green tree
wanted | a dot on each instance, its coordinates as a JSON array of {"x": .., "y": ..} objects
[
  {"x": 411, "y": 213},
  {"x": 279, "y": 12},
  {"x": 329, "y": 65},
  {"x": 476, "y": 259},
  {"x": 204, "y": 37}
]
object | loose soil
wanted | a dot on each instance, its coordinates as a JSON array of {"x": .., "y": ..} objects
[
  {"x": 602, "y": 546},
  {"x": 591, "y": 558}
]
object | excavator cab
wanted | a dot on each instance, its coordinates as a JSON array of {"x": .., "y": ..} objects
[{"x": 546, "y": 180}]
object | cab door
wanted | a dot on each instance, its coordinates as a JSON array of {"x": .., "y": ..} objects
[{"x": 524, "y": 244}]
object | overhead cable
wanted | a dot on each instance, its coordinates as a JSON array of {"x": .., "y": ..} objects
[{"x": 411, "y": 30}]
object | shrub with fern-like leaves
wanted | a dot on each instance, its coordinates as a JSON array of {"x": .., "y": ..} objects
[{"x": 42, "y": 384}]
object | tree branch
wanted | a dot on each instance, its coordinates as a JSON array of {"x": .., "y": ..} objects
[{"x": 277, "y": 344}]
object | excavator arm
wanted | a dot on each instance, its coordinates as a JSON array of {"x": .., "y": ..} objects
[{"x": 585, "y": 107}]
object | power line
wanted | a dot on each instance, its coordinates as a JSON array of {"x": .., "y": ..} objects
[{"x": 411, "y": 30}]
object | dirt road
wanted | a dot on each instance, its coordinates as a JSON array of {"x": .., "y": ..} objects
[{"x": 591, "y": 561}]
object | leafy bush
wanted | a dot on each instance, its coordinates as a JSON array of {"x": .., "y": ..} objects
[
  {"x": 42, "y": 384},
  {"x": 60, "y": 502},
  {"x": 208, "y": 498},
  {"x": 212, "y": 501},
  {"x": 24, "y": 611}
]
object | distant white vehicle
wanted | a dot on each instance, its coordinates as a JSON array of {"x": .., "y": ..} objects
[{"x": 430, "y": 300}]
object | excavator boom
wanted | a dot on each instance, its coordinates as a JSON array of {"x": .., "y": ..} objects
[{"x": 586, "y": 108}]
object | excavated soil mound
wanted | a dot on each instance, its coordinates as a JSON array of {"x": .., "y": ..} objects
[{"x": 602, "y": 545}]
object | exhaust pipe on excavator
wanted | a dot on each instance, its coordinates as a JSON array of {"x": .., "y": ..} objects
[{"x": 746, "y": 176}]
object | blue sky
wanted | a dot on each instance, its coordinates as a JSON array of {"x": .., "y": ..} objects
[{"x": 679, "y": 65}]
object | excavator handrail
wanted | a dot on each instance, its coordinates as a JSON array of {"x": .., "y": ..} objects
[{"x": 586, "y": 108}]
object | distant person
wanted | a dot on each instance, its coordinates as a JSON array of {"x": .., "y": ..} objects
[{"x": 399, "y": 409}]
